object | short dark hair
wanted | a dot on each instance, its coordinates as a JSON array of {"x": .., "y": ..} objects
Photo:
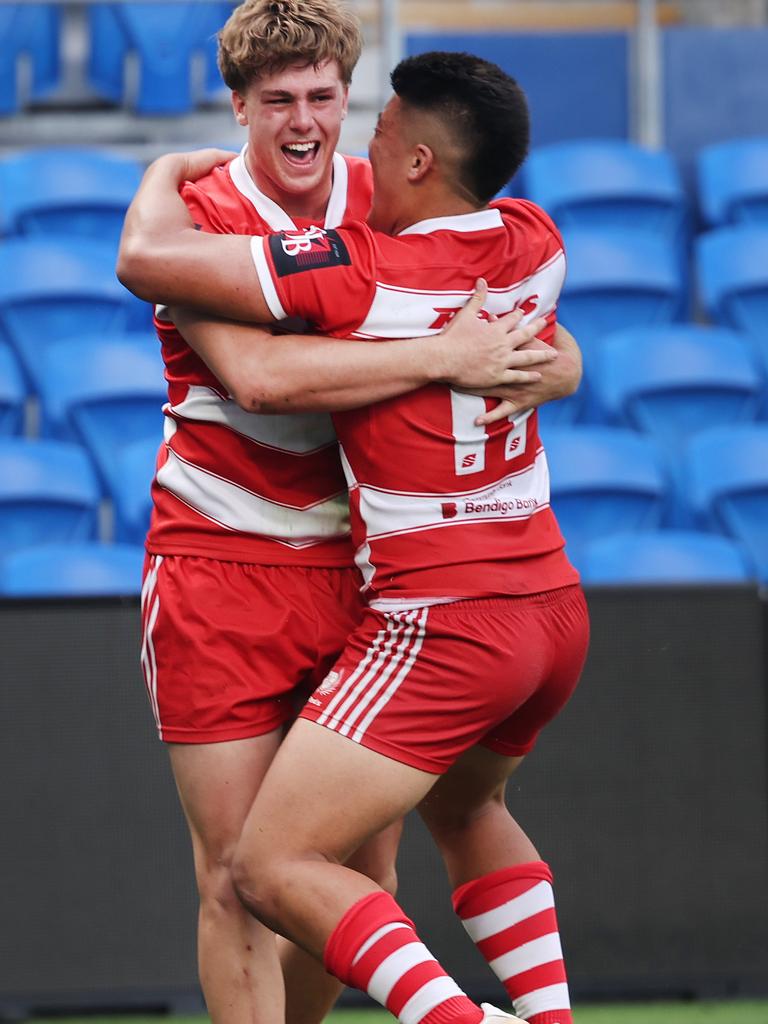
[{"x": 482, "y": 106}]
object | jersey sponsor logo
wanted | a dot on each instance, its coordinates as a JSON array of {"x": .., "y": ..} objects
[
  {"x": 312, "y": 249},
  {"x": 446, "y": 313},
  {"x": 469, "y": 460},
  {"x": 449, "y": 509}
]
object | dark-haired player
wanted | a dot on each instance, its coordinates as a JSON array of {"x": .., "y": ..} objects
[{"x": 476, "y": 629}]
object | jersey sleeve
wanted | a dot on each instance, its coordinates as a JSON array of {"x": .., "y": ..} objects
[{"x": 325, "y": 276}]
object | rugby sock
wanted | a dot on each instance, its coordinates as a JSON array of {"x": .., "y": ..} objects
[
  {"x": 510, "y": 916},
  {"x": 375, "y": 948}
]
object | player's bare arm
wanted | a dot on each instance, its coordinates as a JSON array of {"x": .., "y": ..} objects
[
  {"x": 269, "y": 373},
  {"x": 163, "y": 259}
]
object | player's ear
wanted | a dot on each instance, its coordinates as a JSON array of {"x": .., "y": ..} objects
[
  {"x": 422, "y": 161},
  {"x": 238, "y": 108}
]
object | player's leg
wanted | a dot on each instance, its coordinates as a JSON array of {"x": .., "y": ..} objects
[
  {"x": 238, "y": 964},
  {"x": 323, "y": 797},
  {"x": 502, "y": 889},
  {"x": 310, "y": 991}
]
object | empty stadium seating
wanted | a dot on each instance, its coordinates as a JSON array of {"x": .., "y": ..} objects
[
  {"x": 13, "y": 393},
  {"x": 732, "y": 180},
  {"x": 104, "y": 391},
  {"x": 135, "y": 468},
  {"x": 726, "y": 480},
  {"x": 29, "y": 32},
  {"x": 48, "y": 492},
  {"x": 72, "y": 570},
  {"x": 604, "y": 479},
  {"x": 618, "y": 279},
  {"x": 732, "y": 273},
  {"x": 674, "y": 380},
  {"x": 155, "y": 57},
  {"x": 664, "y": 557},
  {"x": 50, "y": 289},
  {"x": 67, "y": 193},
  {"x": 599, "y": 183}
]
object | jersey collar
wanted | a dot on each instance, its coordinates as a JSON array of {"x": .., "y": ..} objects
[{"x": 480, "y": 220}]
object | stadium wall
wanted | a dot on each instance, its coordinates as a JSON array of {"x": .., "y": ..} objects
[{"x": 649, "y": 797}]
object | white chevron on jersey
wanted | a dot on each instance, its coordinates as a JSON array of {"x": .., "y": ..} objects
[
  {"x": 235, "y": 508},
  {"x": 300, "y": 433},
  {"x": 517, "y": 496}
]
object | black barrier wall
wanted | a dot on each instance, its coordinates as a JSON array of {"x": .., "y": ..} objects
[{"x": 648, "y": 796}]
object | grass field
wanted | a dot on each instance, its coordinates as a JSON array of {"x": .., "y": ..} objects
[{"x": 614, "y": 1013}]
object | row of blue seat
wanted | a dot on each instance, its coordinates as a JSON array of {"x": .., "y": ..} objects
[
  {"x": 166, "y": 42},
  {"x": 604, "y": 480},
  {"x": 591, "y": 183},
  {"x": 91, "y": 569}
]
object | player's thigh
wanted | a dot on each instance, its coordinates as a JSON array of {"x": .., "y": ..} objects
[
  {"x": 325, "y": 795},
  {"x": 217, "y": 784},
  {"x": 477, "y": 778}
]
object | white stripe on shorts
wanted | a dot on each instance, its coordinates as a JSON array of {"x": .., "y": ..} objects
[
  {"x": 378, "y": 676},
  {"x": 150, "y": 610}
]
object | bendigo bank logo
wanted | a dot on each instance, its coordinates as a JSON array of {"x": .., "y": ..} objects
[
  {"x": 311, "y": 249},
  {"x": 449, "y": 509},
  {"x": 446, "y": 313}
]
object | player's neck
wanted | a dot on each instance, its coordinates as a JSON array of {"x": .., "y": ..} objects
[{"x": 309, "y": 205}]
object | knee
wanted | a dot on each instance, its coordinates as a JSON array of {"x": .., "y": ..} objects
[
  {"x": 446, "y": 819},
  {"x": 214, "y": 882},
  {"x": 258, "y": 882}
]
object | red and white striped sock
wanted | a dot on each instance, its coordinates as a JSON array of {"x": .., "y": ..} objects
[
  {"x": 375, "y": 948},
  {"x": 510, "y": 916}
]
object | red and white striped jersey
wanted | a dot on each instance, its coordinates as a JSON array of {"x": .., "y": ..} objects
[
  {"x": 441, "y": 508},
  {"x": 237, "y": 485}
]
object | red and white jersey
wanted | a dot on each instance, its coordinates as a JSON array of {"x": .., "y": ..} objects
[
  {"x": 441, "y": 509},
  {"x": 237, "y": 485}
]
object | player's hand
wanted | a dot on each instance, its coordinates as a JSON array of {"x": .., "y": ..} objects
[
  {"x": 486, "y": 352},
  {"x": 557, "y": 380},
  {"x": 181, "y": 167}
]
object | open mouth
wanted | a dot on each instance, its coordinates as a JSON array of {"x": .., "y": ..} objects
[{"x": 301, "y": 153}]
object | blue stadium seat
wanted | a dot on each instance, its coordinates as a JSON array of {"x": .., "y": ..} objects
[
  {"x": 608, "y": 183},
  {"x": 13, "y": 393},
  {"x": 726, "y": 479},
  {"x": 165, "y": 39},
  {"x": 618, "y": 279},
  {"x": 604, "y": 479},
  {"x": 48, "y": 492},
  {"x": 672, "y": 381},
  {"x": 54, "y": 289},
  {"x": 664, "y": 557},
  {"x": 72, "y": 570},
  {"x": 105, "y": 391},
  {"x": 28, "y": 31},
  {"x": 733, "y": 182},
  {"x": 67, "y": 192},
  {"x": 732, "y": 271},
  {"x": 132, "y": 496}
]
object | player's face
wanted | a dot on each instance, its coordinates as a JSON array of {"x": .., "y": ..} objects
[
  {"x": 294, "y": 119},
  {"x": 390, "y": 159}
]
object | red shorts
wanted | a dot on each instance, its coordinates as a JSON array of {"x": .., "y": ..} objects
[
  {"x": 423, "y": 686},
  {"x": 230, "y": 650}
]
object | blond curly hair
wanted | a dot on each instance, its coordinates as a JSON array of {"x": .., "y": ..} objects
[{"x": 265, "y": 36}]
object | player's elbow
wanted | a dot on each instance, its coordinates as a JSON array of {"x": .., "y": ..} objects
[
  {"x": 135, "y": 268},
  {"x": 260, "y": 392}
]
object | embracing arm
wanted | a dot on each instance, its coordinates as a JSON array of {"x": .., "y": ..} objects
[
  {"x": 164, "y": 259},
  {"x": 269, "y": 373}
]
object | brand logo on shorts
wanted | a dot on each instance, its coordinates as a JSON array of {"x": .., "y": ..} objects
[
  {"x": 449, "y": 509},
  {"x": 329, "y": 684}
]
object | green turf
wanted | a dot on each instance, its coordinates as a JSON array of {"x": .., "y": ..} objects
[{"x": 625, "y": 1013}]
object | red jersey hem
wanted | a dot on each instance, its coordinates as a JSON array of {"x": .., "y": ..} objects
[{"x": 228, "y": 553}]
